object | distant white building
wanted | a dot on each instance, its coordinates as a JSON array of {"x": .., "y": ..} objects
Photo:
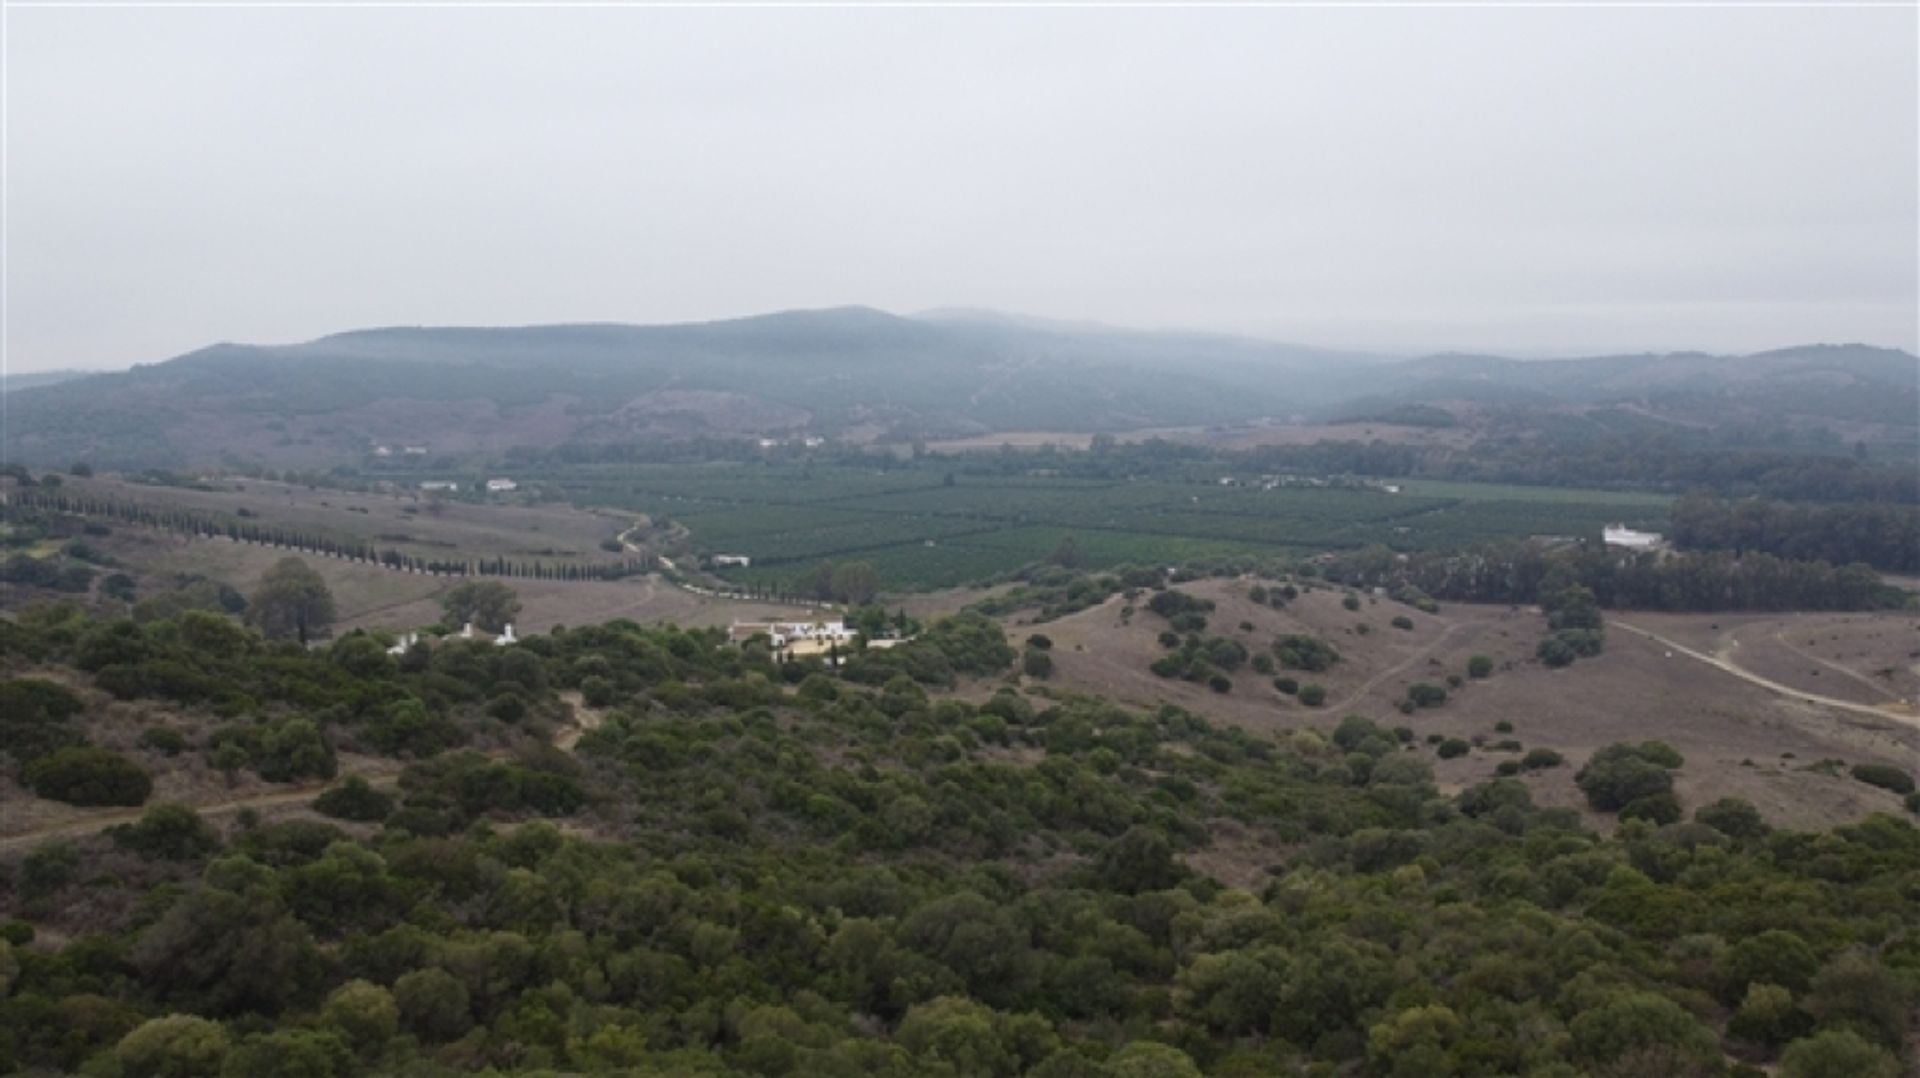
[
  {"x": 720, "y": 561},
  {"x": 1619, "y": 535},
  {"x": 468, "y": 632},
  {"x": 501, "y": 486},
  {"x": 439, "y": 484},
  {"x": 382, "y": 451},
  {"x": 783, "y": 633},
  {"x": 415, "y": 450}
]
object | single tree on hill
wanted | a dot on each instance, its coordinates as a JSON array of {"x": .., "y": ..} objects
[
  {"x": 488, "y": 604},
  {"x": 292, "y": 601}
]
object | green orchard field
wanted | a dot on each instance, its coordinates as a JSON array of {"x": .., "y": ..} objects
[{"x": 921, "y": 527}]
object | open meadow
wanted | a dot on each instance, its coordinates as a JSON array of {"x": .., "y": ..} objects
[{"x": 1740, "y": 739}]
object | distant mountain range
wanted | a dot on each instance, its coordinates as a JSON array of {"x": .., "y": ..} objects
[
  {"x": 11, "y": 382},
  {"x": 856, "y": 373}
]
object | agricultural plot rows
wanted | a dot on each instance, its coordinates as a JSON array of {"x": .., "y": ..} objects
[{"x": 919, "y": 531}]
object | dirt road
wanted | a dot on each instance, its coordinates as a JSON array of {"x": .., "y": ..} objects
[
  {"x": 99, "y": 820},
  {"x": 1877, "y": 711},
  {"x": 1401, "y": 667}
]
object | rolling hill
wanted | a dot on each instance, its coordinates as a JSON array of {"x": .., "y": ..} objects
[{"x": 852, "y": 372}]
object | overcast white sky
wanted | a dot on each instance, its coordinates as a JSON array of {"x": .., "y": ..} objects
[{"x": 1533, "y": 180}]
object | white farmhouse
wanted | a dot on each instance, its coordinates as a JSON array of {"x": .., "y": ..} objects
[
  {"x": 783, "y": 633},
  {"x": 720, "y": 561},
  {"x": 439, "y": 484},
  {"x": 1619, "y": 535},
  {"x": 501, "y": 486}
]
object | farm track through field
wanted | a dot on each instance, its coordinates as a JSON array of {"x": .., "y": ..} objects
[
  {"x": 1875, "y": 710},
  {"x": 1403, "y": 665},
  {"x": 1779, "y": 637}
]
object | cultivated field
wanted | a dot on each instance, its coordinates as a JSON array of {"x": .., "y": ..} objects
[
  {"x": 1740, "y": 739},
  {"x": 1234, "y": 436},
  {"x": 922, "y": 526}
]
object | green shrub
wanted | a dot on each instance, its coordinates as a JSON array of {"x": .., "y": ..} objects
[
  {"x": 1733, "y": 817},
  {"x": 169, "y": 832},
  {"x": 1621, "y": 773},
  {"x": 1838, "y": 1053},
  {"x": 163, "y": 739},
  {"x": 1036, "y": 663},
  {"x": 1313, "y": 695},
  {"x": 1541, "y": 759},
  {"x": 176, "y": 1046},
  {"x": 1300, "y": 652},
  {"x": 89, "y": 776},
  {"x": 293, "y": 750},
  {"x": 1480, "y": 666},
  {"x": 1453, "y": 747},
  {"x": 1286, "y": 685},
  {"x": 34, "y": 718},
  {"x": 1661, "y": 808},
  {"x": 1402, "y": 622},
  {"x": 1885, "y": 776},
  {"x": 354, "y": 799}
]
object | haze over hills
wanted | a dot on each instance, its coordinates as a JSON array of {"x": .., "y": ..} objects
[{"x": 860, "y": 374}]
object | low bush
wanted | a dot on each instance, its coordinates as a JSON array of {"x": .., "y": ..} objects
[
  {"x": 1885, "y": 776},
  {"x": 89, "y": 776}
]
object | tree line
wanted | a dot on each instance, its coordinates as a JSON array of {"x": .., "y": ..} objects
[
  {"x": 1883, "y": 536},
  {"x": 198, "y": 525},
  {"x": 1526, "y": 571}
]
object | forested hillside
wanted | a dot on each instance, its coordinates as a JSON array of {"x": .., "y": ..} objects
[
  {"x": 863, "y": 375},
  {"x": 750, "y": 868}
]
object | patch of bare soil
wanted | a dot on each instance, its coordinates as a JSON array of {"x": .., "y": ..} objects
[
  {"x": 584, "y": 720},
  {"x": 1236, "y": 856}
]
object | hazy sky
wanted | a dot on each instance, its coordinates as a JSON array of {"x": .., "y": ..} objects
[{"x": 1526, "y": 180}]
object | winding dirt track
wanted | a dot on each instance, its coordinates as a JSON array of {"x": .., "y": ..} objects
[
  {"x": 1403, "y": 665},
  {"x": 384, "y": 774},
  {"x": 99, "y": 820},
  {"x": 1877, "y": 711}
]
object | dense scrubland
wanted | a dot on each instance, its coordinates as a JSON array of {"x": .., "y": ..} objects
[{"x": 751, "y": 867}]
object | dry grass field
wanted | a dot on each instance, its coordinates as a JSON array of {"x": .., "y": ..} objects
[
  {"x": 1866, "y": 658},
  {"x": 1740, "y": 739},
  {"x": 373, "y": 597}
]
